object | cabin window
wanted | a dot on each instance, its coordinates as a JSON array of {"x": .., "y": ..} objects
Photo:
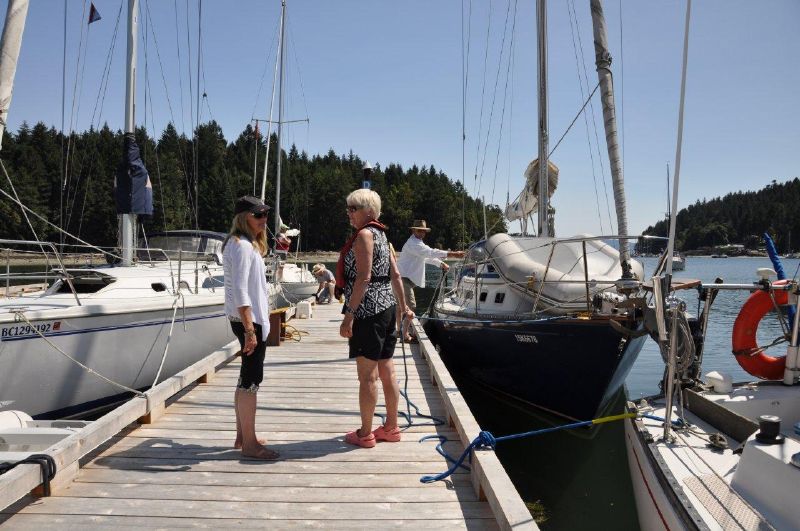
[
  {"x": 85, "y": 282},
  {"x": 468, "y": 294},
  {"x": 482, "y": 298},
  {"x": 490, "y": 268},
  {"x": 499, "y": 298}
]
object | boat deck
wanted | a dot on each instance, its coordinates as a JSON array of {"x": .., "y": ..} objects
[{"x": 181, "y": 470}]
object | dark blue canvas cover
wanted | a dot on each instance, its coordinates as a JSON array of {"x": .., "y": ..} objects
[{"x": 133, "y": 192}]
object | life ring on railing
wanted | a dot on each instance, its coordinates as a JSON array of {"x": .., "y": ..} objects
[{"x": 747, "y": 352}]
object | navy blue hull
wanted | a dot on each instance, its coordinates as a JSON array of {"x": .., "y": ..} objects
[{"x": 570, "y": 367}]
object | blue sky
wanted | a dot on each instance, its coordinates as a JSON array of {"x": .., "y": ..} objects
[{"x": 384, "y": 79}]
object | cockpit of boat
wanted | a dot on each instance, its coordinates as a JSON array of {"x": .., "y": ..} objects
[{"x": 204, "y": 246}]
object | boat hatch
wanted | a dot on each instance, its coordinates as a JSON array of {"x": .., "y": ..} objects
[{"x": 84, "y": 282}]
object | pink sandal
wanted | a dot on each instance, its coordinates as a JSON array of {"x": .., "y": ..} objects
[
  {"x": 367, "y": 441},
  {"x": 382, "y": 434}
]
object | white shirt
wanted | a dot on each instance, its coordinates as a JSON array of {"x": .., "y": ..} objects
[
  {"x": 245, "y": 282},
  {"x": 413, "y": 257}
]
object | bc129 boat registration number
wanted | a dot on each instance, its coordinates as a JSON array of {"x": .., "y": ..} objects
[{"x": 29, "y": 330}]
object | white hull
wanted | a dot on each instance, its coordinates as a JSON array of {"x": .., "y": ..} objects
[
  {"x": 297, "y": 282},
  {"x": 688, "y": 485},
  {"x": 120, "y": 332}
]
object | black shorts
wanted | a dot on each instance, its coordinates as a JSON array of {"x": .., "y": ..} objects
[
  {"x": 373, "y": 337},
  {"x": 252, "y": 371}
]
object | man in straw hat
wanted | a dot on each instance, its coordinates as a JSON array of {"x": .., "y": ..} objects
[
  {"x": 327, "y": 283},
  {"x": 413, "y": 257}
]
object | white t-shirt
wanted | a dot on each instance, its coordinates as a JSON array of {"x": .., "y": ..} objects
[{"x": 245, "y": 282}]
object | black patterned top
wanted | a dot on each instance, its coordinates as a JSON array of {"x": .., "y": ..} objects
[{"x": 378, "y": 295}]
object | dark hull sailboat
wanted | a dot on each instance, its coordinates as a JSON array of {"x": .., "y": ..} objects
[{"x": 546, "y": 363}]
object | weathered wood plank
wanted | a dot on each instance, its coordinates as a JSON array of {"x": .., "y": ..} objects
[
  {"x": 286, "y": 466},
  {"x": 60, "y": 522},
  {"x": 262, "y": 510},
  {"x": 252, "y": 478},
  {"x": 343, "y": 494}
]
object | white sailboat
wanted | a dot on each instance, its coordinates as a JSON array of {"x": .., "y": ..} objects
[
  {"x": 707, "y": 453},
  {"x": 549, "y": 321},
  {"x": 98, "y": 334}
]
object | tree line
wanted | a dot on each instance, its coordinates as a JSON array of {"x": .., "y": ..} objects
[
  {"x": 196, "y": 181},
  {"x": 739, "y": 218}
]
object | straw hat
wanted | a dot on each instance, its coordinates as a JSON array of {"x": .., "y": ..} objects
[
  {"x": 420, "y": 224},
  {"x": 317, "y": 268}
]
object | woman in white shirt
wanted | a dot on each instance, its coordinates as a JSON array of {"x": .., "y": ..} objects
[{"x": 247, "y": 308}]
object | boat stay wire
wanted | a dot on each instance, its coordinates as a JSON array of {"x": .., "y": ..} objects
[
  {"x": 97, "y": 112},
  {"x": 483, "y": 94},
  {"x": 583, "y": 81},
  {"x": 482, "y": 155},
  {"x": 464, "y": 86},
  {"x": 27, "y": 210},
  {"x": 181, "y": 146},
  {"x": 510, "y": 62}
]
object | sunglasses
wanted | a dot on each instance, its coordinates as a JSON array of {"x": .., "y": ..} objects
[
  {"x": 351, "y": 209},
  {"x": 259, "y": 215}
]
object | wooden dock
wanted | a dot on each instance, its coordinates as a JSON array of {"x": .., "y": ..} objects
[{"x": 181, "y": 470}]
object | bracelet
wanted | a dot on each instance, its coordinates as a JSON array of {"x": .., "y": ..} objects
[
  {"x": 348, "y": 309},
  {"x": 250, "y": 332}
]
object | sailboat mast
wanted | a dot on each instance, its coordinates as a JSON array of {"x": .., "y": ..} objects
[
  {"x": 603, "y": 62},
  {"x": 541, "y": 22},
  {"x": 9, "y": 52},
  {"x": 271, "y": 104},
  {"x": 128, "y": 221},
  {"x": 280, "y": 120}
]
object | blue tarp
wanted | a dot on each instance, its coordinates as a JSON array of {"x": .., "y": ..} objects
[{"x": 133, "y": 192}]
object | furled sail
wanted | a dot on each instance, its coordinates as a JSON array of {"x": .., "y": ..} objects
[
  {"x": 528, "y": 199},
  {"x": 132, "y": 189}
]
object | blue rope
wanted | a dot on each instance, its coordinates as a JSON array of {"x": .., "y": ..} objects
[{"x": 485, "y": 439}]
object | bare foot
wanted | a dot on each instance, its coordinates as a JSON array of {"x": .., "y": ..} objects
[
  {"x": 237, "y": 445},
  {"x": 261, "y": 452}
]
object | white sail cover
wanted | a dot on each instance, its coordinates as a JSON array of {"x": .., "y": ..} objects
[
  {"x": 527, "y": 201},
  {"x": 523, "y": 261}
]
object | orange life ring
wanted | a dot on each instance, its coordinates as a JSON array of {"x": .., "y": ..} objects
[{"x": 749, "y": 355}]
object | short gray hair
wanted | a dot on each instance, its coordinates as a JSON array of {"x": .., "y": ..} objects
[{"x": 366, "y": 198}]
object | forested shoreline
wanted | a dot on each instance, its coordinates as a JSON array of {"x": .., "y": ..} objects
[
  {"x": 79, "y": 197},
  {"x": 739, "y": 218}
]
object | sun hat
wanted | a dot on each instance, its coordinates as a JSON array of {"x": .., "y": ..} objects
[
  {"x": 248, "y": 203},
  {"x": 419, "y": 224},
  {"x": 317, "y": 268}
]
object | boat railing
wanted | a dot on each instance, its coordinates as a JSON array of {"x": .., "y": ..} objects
[
  {"x": 50, "y": 273},
  {"x": 533, "y": 286}
]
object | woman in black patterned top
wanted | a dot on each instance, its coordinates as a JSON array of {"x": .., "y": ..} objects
[{"x": 371, "y": 283}]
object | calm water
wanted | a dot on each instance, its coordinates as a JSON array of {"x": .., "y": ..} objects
[{"x": 580, "y": 478}]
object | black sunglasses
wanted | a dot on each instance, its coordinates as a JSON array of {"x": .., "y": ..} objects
[
  {"x": 352, "y": 209},
  {"x": 259, "y": 215}
]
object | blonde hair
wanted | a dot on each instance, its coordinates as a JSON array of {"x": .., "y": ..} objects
[
  {"x": 366, "y": 199},
  {"x": 239, "y": 227}
]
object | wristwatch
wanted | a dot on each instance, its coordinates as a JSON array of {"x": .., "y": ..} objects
[
  {"x": 250, "y": 332},
  {"x": 348, "y": 309}
]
